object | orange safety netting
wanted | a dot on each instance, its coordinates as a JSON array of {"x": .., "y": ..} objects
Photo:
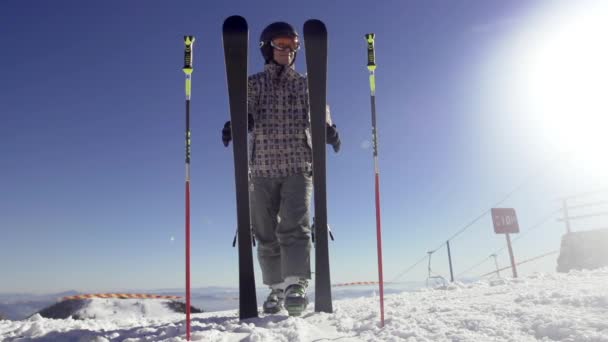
[
  {"x": 120, "y": 296},
  {"x": 358, "y": 283}
]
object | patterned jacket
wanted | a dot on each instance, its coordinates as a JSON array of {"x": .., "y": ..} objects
[{"x": 280, "y": 141}]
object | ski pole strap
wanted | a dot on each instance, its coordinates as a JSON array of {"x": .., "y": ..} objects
[
  {"x": 371, "y": 60},
  {"x": 189, "y": 41}
]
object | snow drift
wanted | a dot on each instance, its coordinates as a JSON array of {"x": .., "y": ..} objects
[{"x": 100, "y": 308}]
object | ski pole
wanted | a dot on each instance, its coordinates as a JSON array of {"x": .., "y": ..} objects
[
  {"x": 371, "y": 66},
  {"x": 189, "y": 41}
]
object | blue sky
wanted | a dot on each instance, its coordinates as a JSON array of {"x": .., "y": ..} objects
[{"x": 92, "y": 125}]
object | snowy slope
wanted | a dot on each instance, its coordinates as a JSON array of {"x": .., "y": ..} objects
[{"x": 562, "y": 307}]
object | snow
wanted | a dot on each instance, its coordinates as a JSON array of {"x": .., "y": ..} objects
[{"x": 542, "y": 307}]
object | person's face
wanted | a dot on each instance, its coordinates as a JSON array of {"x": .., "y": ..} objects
[
  {"x": 283, "y": 57},
  {"x": 284, "y": 49}
]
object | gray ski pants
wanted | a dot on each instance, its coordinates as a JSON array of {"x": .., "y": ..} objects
[{"x": 280, "y": 213}]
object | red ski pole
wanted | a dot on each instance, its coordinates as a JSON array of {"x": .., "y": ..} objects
[
  {"x": 371, "y": 66},
  {"x": 189, "y": 41}
]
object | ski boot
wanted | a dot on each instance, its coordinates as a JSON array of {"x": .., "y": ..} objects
[
  {"x": 295, "y": 298},
  {"x": 274, "y": 302}
]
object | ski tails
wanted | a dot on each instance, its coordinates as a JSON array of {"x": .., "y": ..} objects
[
  {"x": 315, "y": 40},
  {"x": 236, "y": 40}
]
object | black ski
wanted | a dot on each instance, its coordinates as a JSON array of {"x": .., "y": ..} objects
[
  {"x": 236, "y": 40},
  {"x": 315, "y": 43}
]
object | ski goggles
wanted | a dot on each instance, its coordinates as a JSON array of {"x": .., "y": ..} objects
[{"x": 285, "y": 43}]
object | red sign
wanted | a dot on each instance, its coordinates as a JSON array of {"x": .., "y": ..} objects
[{"x": 505, "y": 221}]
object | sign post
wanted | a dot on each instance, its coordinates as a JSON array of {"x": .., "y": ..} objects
[{"x": 505, "y": 222}]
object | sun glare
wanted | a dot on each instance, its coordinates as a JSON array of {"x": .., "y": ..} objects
[{"x": 565, "y": 83}]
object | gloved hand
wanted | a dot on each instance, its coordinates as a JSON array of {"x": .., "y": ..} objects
[
  {"x": 227, "y": 130},
  {"x": 333, "y": 138},
  {"x": 227, "y": 133}
]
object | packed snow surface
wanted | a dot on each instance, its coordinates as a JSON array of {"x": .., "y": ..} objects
[{"x": 543, "y": 307}]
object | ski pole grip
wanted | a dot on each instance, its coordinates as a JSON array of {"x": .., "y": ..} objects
[
  {"x": 371, "y": 52},
  {"x": 189, "y": 41}
]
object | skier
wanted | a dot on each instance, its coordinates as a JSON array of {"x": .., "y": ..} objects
[{"x": 280, "y": 164}]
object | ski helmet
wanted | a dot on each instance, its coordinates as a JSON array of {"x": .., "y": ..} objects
[{"x": 272, "y": 31}]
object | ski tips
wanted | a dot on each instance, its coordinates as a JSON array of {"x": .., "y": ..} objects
[
  {"x": 235, "y": 23},
  {"x": 314, "y": 26},
  {"x": 314, "y": 23}
]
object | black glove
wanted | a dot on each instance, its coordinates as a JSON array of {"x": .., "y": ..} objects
[
  {"x": 250, "y": 123},
  {"x": 333, "y": 138},
  {"x": 227, "y": 133},
  {"x": 227, "y": 130}
]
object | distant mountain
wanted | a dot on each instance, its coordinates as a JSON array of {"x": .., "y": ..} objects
[
  {"x": 20, "y": 310},
  {"x": 17, "y": 306}
]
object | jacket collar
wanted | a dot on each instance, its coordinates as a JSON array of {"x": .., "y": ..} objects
[{"x": 280, "y": 71}]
